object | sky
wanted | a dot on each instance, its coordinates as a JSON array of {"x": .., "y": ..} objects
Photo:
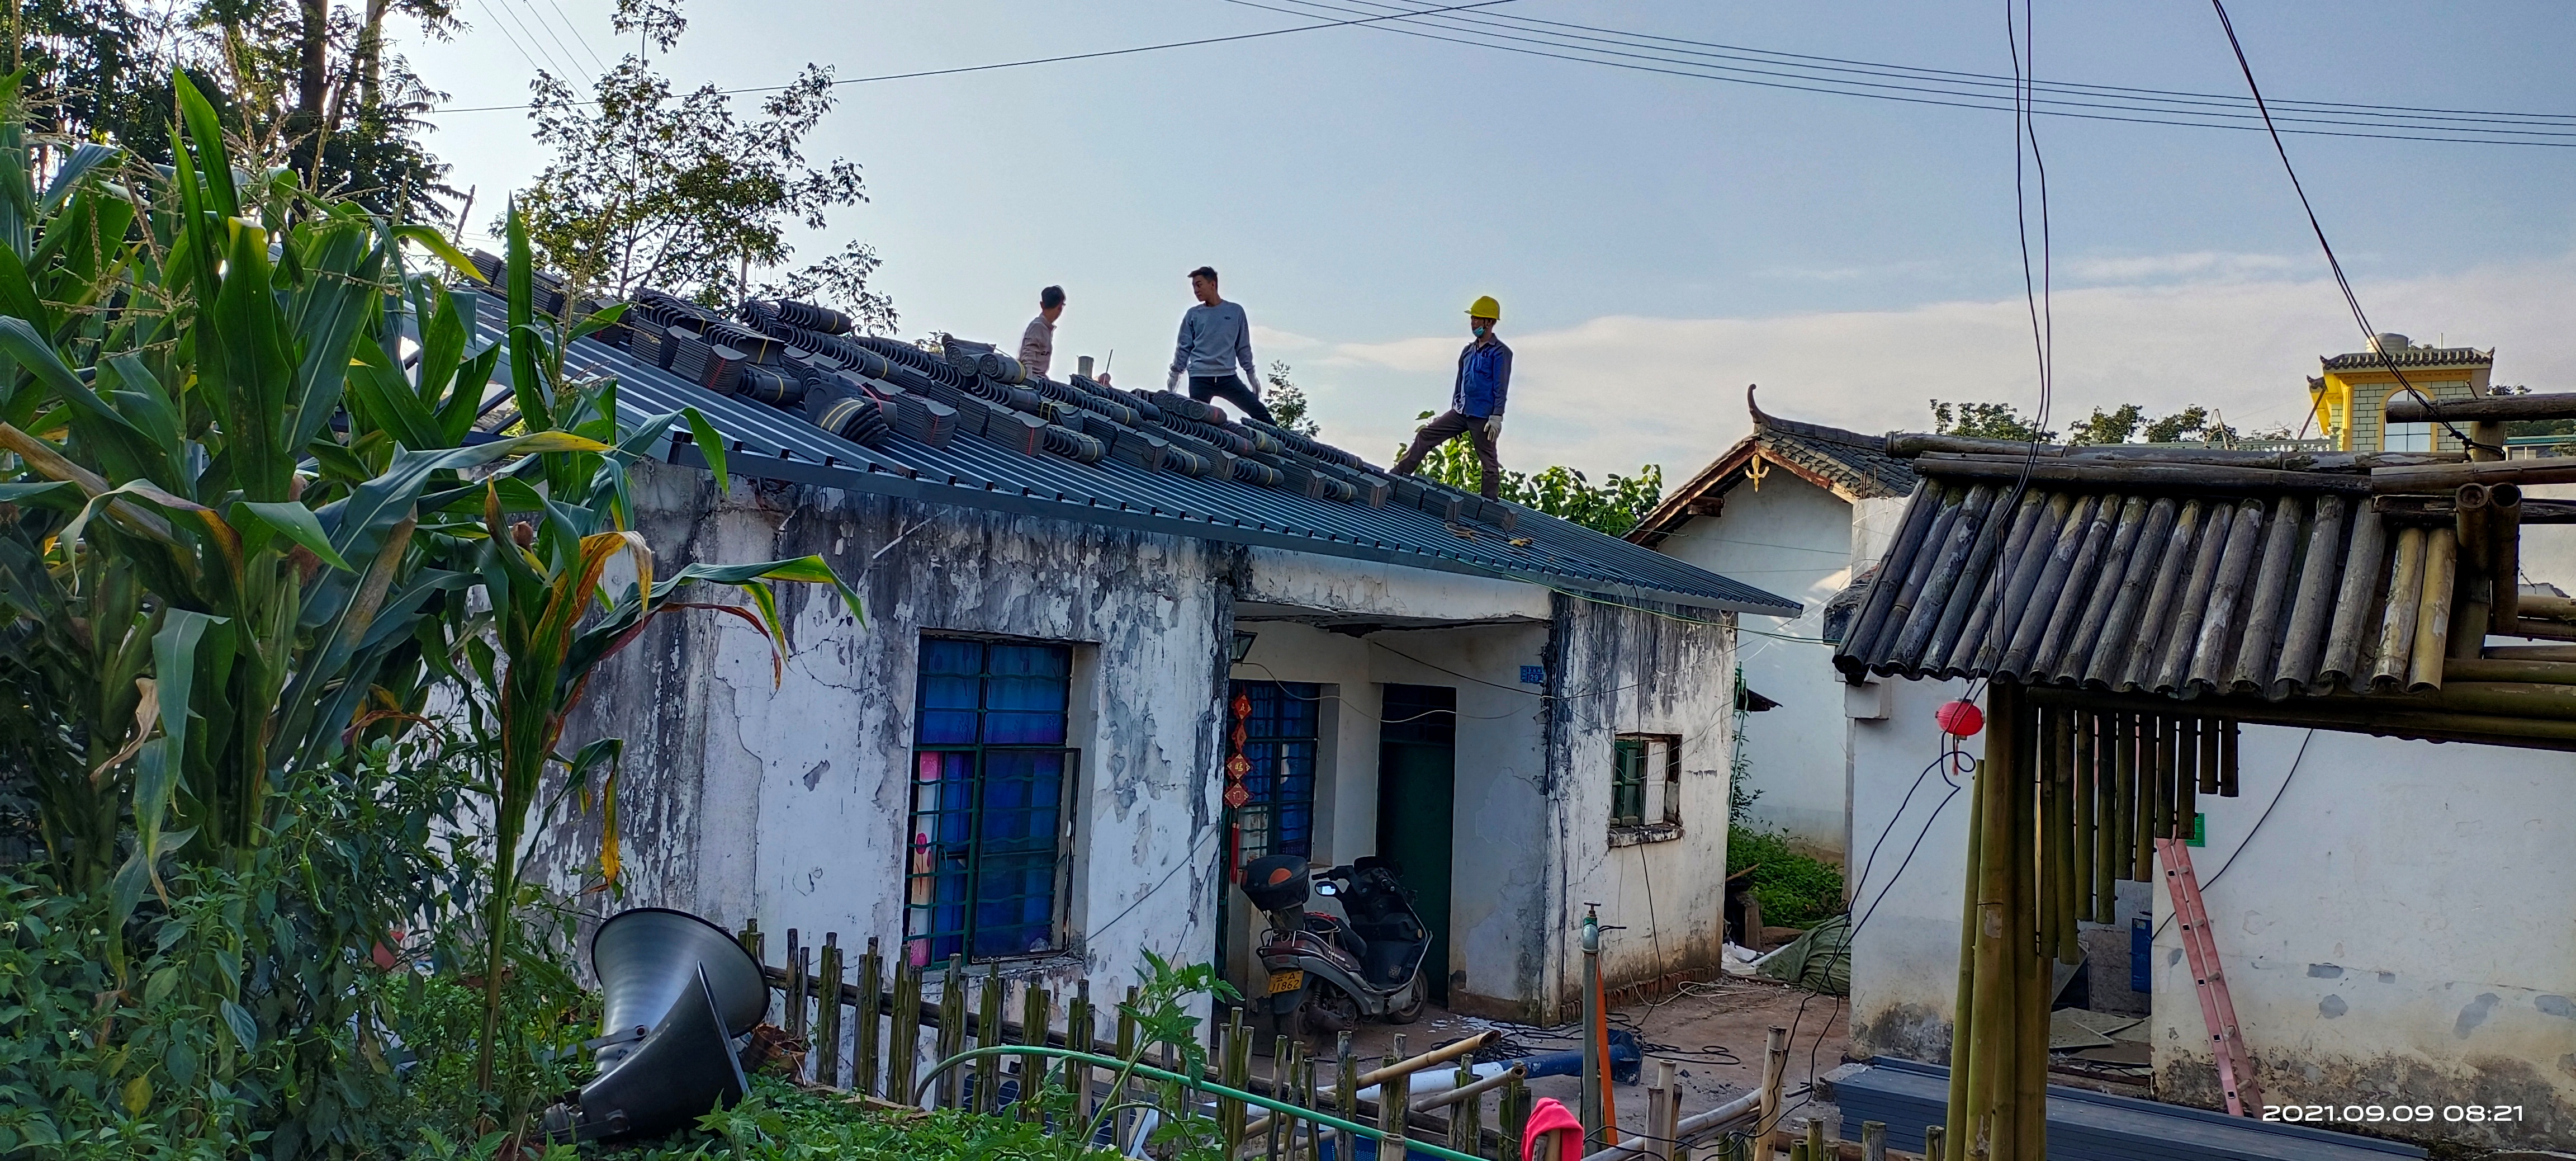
[{"x": 1658, "y": 242}]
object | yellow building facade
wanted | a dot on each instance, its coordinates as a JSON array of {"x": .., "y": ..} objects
[{"x": 2351, "y": 392}]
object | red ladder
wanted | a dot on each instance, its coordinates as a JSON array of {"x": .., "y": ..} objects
[{"x": 2226, "y": 1040}]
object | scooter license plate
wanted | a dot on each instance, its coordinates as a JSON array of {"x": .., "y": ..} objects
[{"x": 1287, "y": 981}]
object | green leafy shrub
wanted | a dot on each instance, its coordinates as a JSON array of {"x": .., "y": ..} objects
[{"x": 1795, "y": 890}]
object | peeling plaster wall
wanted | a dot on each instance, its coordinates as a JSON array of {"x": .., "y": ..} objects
[
  {"x": 1614, "y": 671},
  {"x": 1334, "y": 584},
  {"x": 2398, "y": 931},
  {"x": 788, "y": 802}
]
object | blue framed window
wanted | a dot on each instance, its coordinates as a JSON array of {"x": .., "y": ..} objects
[
  {"x": 1279, "y": 742},
  {"x": 989, "y": 783}
]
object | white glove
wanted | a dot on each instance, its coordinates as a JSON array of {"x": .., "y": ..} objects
[
  {"x": 1493, "y": 427},
  {"x": 1172, "y": 382}
]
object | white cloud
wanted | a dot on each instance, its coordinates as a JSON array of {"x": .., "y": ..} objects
[
  {"x": 1618, "y": 391},
  {"x": 2203, "y": 264}
]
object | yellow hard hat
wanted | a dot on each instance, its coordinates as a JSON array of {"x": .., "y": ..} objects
[{"x": 1485, "y": 307}]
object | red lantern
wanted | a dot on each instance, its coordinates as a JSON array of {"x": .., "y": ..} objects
[{"x": 1960, "y": 719}]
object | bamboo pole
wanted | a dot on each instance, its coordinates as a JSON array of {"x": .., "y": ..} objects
[
  {"x": 1037, "y": 1011},
  {"x": 2187, "y": 775},
  {"x": 2209, "y": 746},
  {"x": 2397, "y": 625},
  {"x": 2504, "y": 554},
  {"x": 2080, "y": 876},
  {"x": 2032, "y": 972},
  {"x": 1991, "y": 1081},
  {"x": 1963, "y": 1019},
  {"x": 2361, "y": 577},
  {"x": 1394, "y": 1104},
  {"x": 1128, "y": 1049},
  {"x": 952, "y": 1029},
  {"x": 988, "y": 1033},
  {"x": 1775, "y": 1069},
  {"x": 2111, "y": 651},
  {"x": 1661, "y": 1118},
  {"x": 826, "y": 1068},
  {"x": 1514, "y": 1115},
  {"x": 903, "y": 1046},
  {"x": 2061, "y": 871},
  {"x": 1920, "y": 514},
  {"x": 2084, "y": 630},
  {"x": 2121, "y": 839},
  {"x": 2473, "y": 605},
  {"x": 2151, "y": 761},
  {"x": 2433, "y": 613},
  {"x": 798, "y": 979},
  {"x": 2227, "y": 760},
  {"x": 863, "y": 1066},
  {"x": 1346, "y": 1094},
  {"x": 2303, "y": 648},
  {"x": 2272, "y": 573},
  {"x": 2045, "y": 828}
]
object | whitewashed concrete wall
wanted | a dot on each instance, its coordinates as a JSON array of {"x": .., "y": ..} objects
[
  {"x": 787, "y": 802},
  {"x": 1905, "y": 949},
  {"x": 1793, "y": 538},
  {"x": 1614, "y": 671},
  {"x": 2398, "y": 930}
]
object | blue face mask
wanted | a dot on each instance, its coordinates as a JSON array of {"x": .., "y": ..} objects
[{"x": 1480, "y": 332}]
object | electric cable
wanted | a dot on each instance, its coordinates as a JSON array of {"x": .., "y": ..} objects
[
  {"x": 2369, "y": 334},
  {"x": 1992, "y": 80},
  {"x": 2060, "y": 108},
  {"x": 1012, "y": 64},
  {"x": 2248, "y": 840}
]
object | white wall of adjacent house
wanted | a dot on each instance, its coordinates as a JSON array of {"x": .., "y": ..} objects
[
  {"x": 1793, "y": 538},
  {"x": 2396, "y": 929}
]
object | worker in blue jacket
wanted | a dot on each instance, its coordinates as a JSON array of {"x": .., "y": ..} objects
[{"x": 1476, "y": 403}]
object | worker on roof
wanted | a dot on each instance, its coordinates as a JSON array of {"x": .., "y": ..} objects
[
  {"x": 1216, "y": 338},
  {"x": 1037, "y": 344},
  {"x": 1475, "y": 403}
]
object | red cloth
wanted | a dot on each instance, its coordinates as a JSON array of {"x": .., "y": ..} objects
[{"x": 1550, "y": 1116}]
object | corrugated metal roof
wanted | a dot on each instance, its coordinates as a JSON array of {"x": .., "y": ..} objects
[
  {"x": 2272, "y": 592},
  {"x": 975, "y": 472}
]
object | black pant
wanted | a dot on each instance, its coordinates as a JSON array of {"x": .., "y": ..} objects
[
  {"x": 1232, "y": 390},
  {"x": 1449, "y": 425}
]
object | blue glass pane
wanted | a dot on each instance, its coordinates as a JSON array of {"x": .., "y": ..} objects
[
  {"x": 1024, "y": 693},
  {"x": 1023, "y": 729},
  {"x": 947, "y": 727},
  {"x": 945, "y": 655},
  {"x": 950, "y": 691},
  {"x": 1031, "y": 660}
]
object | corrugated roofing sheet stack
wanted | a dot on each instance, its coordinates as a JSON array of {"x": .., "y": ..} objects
[
  {"x": 969, "y": 426},
  {"x": 2148, "y": 589}
]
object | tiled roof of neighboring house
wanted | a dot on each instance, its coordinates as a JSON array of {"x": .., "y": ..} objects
[
  {"x": 2234, "y": 581},
  {"x": 1847, "y": 463},
  {"x": 968, "y": 426},
  {"x": 2411, "y": 357}
]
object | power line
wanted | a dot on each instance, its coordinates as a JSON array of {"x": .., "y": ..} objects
[
  {"x": 1478, "y": 36},
  {"x": 2369, "y": 333},
  {"x": 575, "y": 29},
  {"x": 1012, "y": 64},
  {"x": 1995, "y": 81},
  {"x": 514, "y": 41},
  {"x": 539, "y": 19}
]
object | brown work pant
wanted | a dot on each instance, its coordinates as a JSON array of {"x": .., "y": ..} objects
[{"x": 1446, "y": 426}]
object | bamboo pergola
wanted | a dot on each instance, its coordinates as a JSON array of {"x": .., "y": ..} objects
[{"x": 2130, "y": 609}]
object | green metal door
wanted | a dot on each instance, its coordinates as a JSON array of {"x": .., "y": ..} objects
[{"x": 1417, "y": 780}]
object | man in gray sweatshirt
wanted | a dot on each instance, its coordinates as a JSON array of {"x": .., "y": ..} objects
[{"x": 1215, "y": 338}]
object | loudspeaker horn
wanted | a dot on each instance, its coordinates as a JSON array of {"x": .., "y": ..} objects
[
  {"x": 675, "y": 992},
  {"x": 649, "y": 957}
]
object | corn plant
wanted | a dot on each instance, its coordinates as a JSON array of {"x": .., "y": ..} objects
[{"x": 242, "y": 512}]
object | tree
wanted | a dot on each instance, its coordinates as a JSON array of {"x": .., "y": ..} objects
[
  {"x": 298, "y": 83},
  {"x": 1613, "y": 506},
  {"x": 2113, "y": 426},
  {"x": 650, "y": 187},
  {"x": 1986, "y": 421},
  {"x": 1288, "y": 402}
]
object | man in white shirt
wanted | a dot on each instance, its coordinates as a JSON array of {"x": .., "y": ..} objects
[{"x": 1037, "y": 344}]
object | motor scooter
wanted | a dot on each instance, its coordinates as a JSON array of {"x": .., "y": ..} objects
[{"x": 1327, "y": 972}]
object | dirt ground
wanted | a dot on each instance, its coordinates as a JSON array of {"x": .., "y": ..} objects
[{"x": 1714, "y": 1032}]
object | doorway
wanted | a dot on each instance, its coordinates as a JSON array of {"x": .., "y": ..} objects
[{"x": 1417, "y": 780}]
